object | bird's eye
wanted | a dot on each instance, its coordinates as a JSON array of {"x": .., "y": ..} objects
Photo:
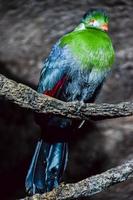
[{"x": 92, "y": 21}]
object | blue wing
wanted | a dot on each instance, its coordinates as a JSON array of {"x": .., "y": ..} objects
[{"x": 55, "y": 67}]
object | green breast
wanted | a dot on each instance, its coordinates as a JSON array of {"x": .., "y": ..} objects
[{"x": 91, "y": 47}]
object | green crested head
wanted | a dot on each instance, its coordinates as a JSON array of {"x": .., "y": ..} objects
[{"x": 95, "y": 18}]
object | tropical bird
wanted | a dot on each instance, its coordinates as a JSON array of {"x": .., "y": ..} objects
[{"x": 75, "y": 70}]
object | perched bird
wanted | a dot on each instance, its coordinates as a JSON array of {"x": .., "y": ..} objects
[{"x": 74, "y": 71}]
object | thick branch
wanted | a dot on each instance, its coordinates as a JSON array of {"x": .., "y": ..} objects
[
  {"x": 26, "y": 97},
  {"x": 89, "y": 186}
]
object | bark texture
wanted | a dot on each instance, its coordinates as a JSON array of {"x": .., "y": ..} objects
[{"x": 28, "y": 98}]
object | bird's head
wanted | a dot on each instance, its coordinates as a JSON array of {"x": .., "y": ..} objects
[{"x": 95, "y": 18}]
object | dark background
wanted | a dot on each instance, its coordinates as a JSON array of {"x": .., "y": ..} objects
[{"x": 27, "y": 31}]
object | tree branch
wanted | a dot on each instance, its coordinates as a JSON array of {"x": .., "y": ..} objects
[
  {"x": 89, "y": 186},
  {"x": 26, "y": 97}
]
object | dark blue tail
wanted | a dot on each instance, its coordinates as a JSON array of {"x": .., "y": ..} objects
[{"x": 47, "y": 167}]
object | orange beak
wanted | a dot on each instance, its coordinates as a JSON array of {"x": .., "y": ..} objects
[{"x": 105, "y": 27}]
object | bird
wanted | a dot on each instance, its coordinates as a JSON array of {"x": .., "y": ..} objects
[{"x": 78, "y": 64}]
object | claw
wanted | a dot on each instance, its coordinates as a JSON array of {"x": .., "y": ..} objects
[{"x": 81, "y": 106}]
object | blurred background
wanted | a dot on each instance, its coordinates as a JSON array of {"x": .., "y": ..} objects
[{"x": 28, "y": 29}]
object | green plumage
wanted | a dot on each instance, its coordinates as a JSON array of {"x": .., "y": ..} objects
[{"x": 91, "y": 46}]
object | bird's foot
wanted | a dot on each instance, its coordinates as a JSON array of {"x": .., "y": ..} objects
[
  {"x": 62, "y": 184},
  {"x": 82, "y": 104}
]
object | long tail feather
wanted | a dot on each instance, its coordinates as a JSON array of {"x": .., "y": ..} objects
[
  {"x": 47, "y": 167},
  {"x": 56, "y": 163}
]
